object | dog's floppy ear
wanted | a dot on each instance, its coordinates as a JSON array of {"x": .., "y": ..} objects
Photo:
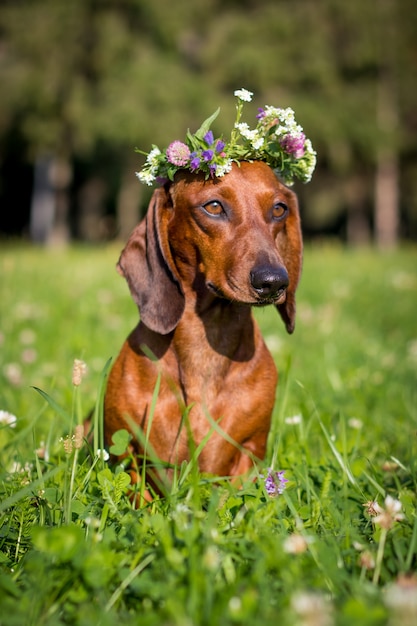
[
  {"x": 290, "y": 246},
  {"x": 147, "y": 265}
]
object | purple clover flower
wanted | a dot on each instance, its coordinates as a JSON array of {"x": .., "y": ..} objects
[
  {"x": 294, "y": 144},
  {"x": 178, "y": 153},
  {"x": 275, "y": 483},
  {"x": 209, "y": 138},
  {"x": 207, "y": 155}
]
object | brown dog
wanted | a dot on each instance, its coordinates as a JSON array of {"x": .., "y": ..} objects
[{"x": 206, "y": 252}]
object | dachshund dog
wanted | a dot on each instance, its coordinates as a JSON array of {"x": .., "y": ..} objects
[{"x": 206, "y": 252}]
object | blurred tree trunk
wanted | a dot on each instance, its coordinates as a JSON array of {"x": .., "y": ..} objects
[
  {"x": 358, "y": 227},
  {"x": 61, "y": 173},
  {"x": 387, "y": 210},
  {"x": 128, "y": 202},
  {"x": 91, "y": 223},
  {"x": 42, "y": 209},
  {"x": 50, "y": 201}
]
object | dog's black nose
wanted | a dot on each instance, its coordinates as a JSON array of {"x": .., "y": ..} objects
[{"x": 269, "y": 281}]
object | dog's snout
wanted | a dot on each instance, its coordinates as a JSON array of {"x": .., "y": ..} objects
[{"x": 269, "y": 281}]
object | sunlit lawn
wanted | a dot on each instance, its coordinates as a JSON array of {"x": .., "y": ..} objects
[{"x": 73, "y": 551}]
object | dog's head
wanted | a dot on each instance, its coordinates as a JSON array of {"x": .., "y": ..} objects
[{"x": 237, "y": 237}]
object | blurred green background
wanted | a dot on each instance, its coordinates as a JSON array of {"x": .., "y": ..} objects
[{"x": 84, "y": 82}]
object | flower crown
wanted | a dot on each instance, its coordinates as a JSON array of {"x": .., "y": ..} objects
[{"x": 277, "y": 140}]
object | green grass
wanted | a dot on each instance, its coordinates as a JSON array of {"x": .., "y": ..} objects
[{"x": 74, "y": 551}]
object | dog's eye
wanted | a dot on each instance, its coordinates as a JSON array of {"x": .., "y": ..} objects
[
  {"x": 213, "y": 208},
  {"x": 279, "y": 210}
]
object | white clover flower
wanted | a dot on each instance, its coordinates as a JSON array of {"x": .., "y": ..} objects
[
  {"x": 296, "y": 543},
  {"x": 293, "y": 420},
  {"x": 391, "y": 514},
  {"x": 103, "y": 454},
  {"x": 312, "y": 608},
  {"x": 8, "y": 419},
  {"x": 355, "y": 422},
  {"x": 244, "y": 95}
]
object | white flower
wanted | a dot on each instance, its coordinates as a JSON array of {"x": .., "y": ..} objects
[
  {"x": 293, "y": 420},
  {"x": 312, "y": 608},
  {"x": 244, "y": 95},
  {"x": 401, "y": 598},
  {"x": 355, "y": 423},
  {"x": 392, "y": 513},
  {"x": 296, "y": 544},
  {"x": 152, "y": 158},
  {"x": 247, "y": 133},
  {"x": 258, "y": 142},
  {"x": 146, "y": 176},
  {"x": 243, "y": 128},
  {"x": 8, "y": 419},
  {"x": 221, "y": 170},
  {"x": 103, "y": 454}
]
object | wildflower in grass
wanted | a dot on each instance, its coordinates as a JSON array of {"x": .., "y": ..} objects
[
  {"x": 387, "y": 516},
  {"x": 27, "y": 336},
  {"x": 235, "y": 605},
  {"x": 401, "y": 600},
  {"x": 412, "y": 350},
  {"x": 312, "y": 609},
  {"x": 41, "y": 452},
  {"x": 29, "y": 355},
  {"x": 13, "y": 373},
  {"x": 78, "y": 436},
  {"x": 178, "y": 153},
  {"x": 390, "y": 466},
  {"x": 7, "y": 419},
  {"x": 367, "y": 560},
  {"x": 355, "y": 423},
  {"x": 103, "y": 454},
  {"x": 372, "y": 507},
  {"x": 211, "y": 559},
  {"x": 67, "y": 444},
  {"x": 293, "y": 420},
  {"x": 275, "y": 483},
  {"x": 78, "y": 372},
  {"x": 296, "y": 544}
]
